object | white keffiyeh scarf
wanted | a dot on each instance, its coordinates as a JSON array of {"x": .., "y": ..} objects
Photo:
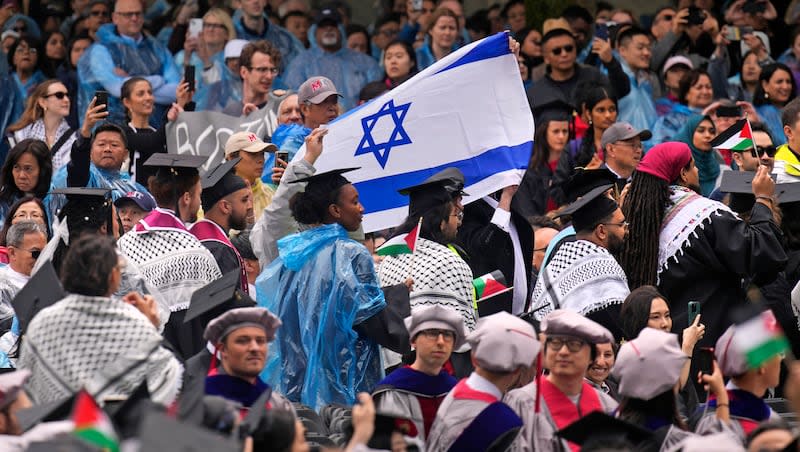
[
  {"x": 583, "y": 277},
  {"x": 104, "y": 345}
]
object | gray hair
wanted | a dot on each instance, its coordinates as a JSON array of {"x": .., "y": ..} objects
[{"x": 16, "y": 233}]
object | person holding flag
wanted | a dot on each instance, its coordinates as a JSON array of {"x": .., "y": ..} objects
[{"x": 750, "y": 354}]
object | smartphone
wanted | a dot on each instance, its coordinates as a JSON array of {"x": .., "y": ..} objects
[
  {"x": 694, "y": 310},
  {"x": 102, "y": 98},
  {"x": 283, "y": 155},
  {"x": 195, "y": 27},
  {"x": 601, "y": 31},
  {"x": 733, "y": 33},
  {"x": 705, "y": 360},
  {"x": 188, "y": 76},
  {"x": 416, "y": 5},
  {"x": 729, "y": 112},
  {"x": 696, "y": 16}
]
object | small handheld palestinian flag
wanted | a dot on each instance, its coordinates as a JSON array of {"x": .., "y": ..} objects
[
  {"x": 738, "y": 137},
  {"x": 489, "y": 285},
  {"x": 401, "y": 244},
  {"x": 760, "y": 338},
  {"x": 92, "y": 424}
]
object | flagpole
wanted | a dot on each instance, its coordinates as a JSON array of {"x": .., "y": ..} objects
[
  {"x": 755, "y": 146},
  {"x": 414, "y": 250}
]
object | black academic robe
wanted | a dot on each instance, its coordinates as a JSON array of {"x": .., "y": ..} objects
[
  {"x": 490, "y": 248},
  {"x": 531, "y": 197},
  {"x": 190, "y": 403},
  {"x": 224, "y": 255},
  {"x": 711, "y": 267}
]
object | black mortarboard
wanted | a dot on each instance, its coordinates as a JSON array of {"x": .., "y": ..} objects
[
  {"x": 589, "y": 209},
  {"x": 216, "y": 293},
  {"x": 451, "y": 178},
  {"x": 160, "y": 432},
  {"x": 63, "y": 443},
  {"x": 740, "y": 185},
  {"x": 57, "y": 410},
  {"x": 41, "y": 291},
  {"x": 175, "y": 161},
  {"x": 599, "y": 425},
  {"x": 586, "y": 180},
  {"x": 551, "y": 106},
  {"x": 332, "y": 179},
  {"x": 219, "y": 182}
]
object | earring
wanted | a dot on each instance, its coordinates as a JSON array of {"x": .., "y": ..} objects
[
  {"x": 590, "y": 122},
  {"x": 766, "y": 96}
]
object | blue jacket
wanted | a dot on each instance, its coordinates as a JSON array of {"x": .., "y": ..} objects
[
  {"x": 146, "y": 58},
  {"x": 348, "y": 70},
  {"x": 321, "y": 285},
  {"x": 771, "y": 115},
  {"x": 221, "y": 94},
  {"x": 668, "y": 125},
  {"x": 278, "y": 36},
  {"x": 638, "y": 107}
]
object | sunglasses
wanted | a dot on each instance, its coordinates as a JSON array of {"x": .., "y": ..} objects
[
  {"x": 667, "y": 17},
  {"x": 34, "y": 253},
  {"x": 60, "y": 95},
  {"x": 569, "y": 48},
  {"x": 769, "y": 150}
]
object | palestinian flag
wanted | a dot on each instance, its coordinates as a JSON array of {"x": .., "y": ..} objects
[
  {"x": 760, "y": 339},
  {"x": 738, "y": 137},
  {"x": 401, "y": 244},
  {"x": 489, "y": 285},
  {"x": 92, "y": 424}
]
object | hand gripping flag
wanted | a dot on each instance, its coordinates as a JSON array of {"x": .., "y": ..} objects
[{"x": 468, "y": 110}]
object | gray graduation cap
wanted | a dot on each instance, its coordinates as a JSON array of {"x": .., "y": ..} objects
[
  {"x": 216, "y": 293},
  {"x": 42, "y": 290},
  {"x": 741, "y": 183},
  {"x": 160, "y": 432},
  {"x": 598, "y": 425},
  {"x": 57, "y": 410}
]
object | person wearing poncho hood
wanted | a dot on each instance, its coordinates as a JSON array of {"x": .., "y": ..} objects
[{"x": 677, "y": 236}]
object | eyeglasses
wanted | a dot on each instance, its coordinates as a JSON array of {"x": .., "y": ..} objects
[
  {"x": 556, "y": 344},
  {"x": 102, "y": 13},
  {"x": 623, "y": 225},
  {"x": 130, "y": 14},
  {"x": 434, "y": 334},
  {"x": 666, "y": 17},
  {"x": 769, "y": 150},
  {"x": 27, "y": 169},
  {"x": 26, "y": 50},
  {"x": 264, "y": 70},
  {"x": 459, "y": 215},
  {"x": 34, "y": 253},
  {"x": 211, "y": 26},
  {"x": 638, "y": 145},
  {"x": 28, "y": 216},
  {"x": 60, "y": 95},
  {"x": 569, "y": 48}
]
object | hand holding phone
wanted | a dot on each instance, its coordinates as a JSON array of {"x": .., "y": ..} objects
[
  {"x": 188, "y": 76},
  {"x": 705, "y": 360},
  {"x": 281, "y": 156},
  {"x": 101, "y": 98},
  {"x": 195, "y": 27},
  {"x": 694, "y": 310}
]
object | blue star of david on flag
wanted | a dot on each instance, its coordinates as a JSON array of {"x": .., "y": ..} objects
[{"x": 398, "y": 136}]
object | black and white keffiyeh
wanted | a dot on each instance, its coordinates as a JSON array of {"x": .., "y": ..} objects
[
  {"x": 174, "y": 262},
  {"x": 102, "y": 344},
  {"x": 582, "y": 277}
]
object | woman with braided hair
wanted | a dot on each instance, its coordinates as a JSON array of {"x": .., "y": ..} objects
[{"x": 693, "y": 248}]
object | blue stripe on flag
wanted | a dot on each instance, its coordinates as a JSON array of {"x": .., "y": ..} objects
[
  {"x": 491, "y": 47},
  {"x": 376, "y": 198}
]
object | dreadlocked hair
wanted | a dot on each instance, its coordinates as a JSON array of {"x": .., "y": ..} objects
[{"x": 644, "y": 208}]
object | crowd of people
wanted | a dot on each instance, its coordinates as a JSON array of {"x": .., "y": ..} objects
[{"x": 644, "y": 273}]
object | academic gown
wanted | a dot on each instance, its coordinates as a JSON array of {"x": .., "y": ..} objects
[
  {"x": 747, "y": 412},
  {"x": 491, "y": 248},
  {"x": 216, "y": 241},
  {"x": 708, "y": 262},
  {"x": 473, "y": 420},
  {"x": 413, "y": 395},
  {"x": 556, "y": 412}
]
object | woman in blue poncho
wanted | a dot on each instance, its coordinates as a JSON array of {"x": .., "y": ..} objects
[
  {"x": 321, "y": 286},
  {"x": 775, "y": 89}
]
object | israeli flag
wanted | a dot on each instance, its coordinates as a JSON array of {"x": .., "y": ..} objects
[{"x": 468, "y": 111}]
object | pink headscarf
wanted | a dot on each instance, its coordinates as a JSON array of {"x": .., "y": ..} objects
[{"x": 666, "y": 160}]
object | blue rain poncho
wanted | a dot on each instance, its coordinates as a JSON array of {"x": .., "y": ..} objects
[
  {"x": 668, "y": 125},
  {"x": 280, "y": 37},
  {"x": 638, "y": 107},
  {"x": 321, "y": 285},
  {"x": 289, "y": 138},
  {"x": 222, "y": 94},
  {"x": 145, "y": 57},
  {"x": 119, "y": 182},
  {"x": 348, "y": 70}
]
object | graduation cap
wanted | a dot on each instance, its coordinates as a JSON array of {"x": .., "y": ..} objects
[
  {"x": 586, "y": 180},
  {"x": 214, "y": 294},
  {"x": 160, "y": 432},
  {"x": 451, "y": 178},
  {"x": 598, "y": 425},
  {"x": 83, "y": 202},
  {"x": 590, "y": 208},
  {"x": 57, "y": 410},
  {"x": 80, "y": 193},
  {"x": 175, "y": 161},
  {"x": 332, "y": 178},
  {"x": 219, "y": 182},
  {"x": 740, "y": 185},
  {"x": 434, "y": 191},
  {"x": 552, "y": 107},
  {"x": 41, "y": 291}
]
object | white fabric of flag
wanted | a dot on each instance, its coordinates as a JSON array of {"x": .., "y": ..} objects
[{"x": 468, "y": 110}]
